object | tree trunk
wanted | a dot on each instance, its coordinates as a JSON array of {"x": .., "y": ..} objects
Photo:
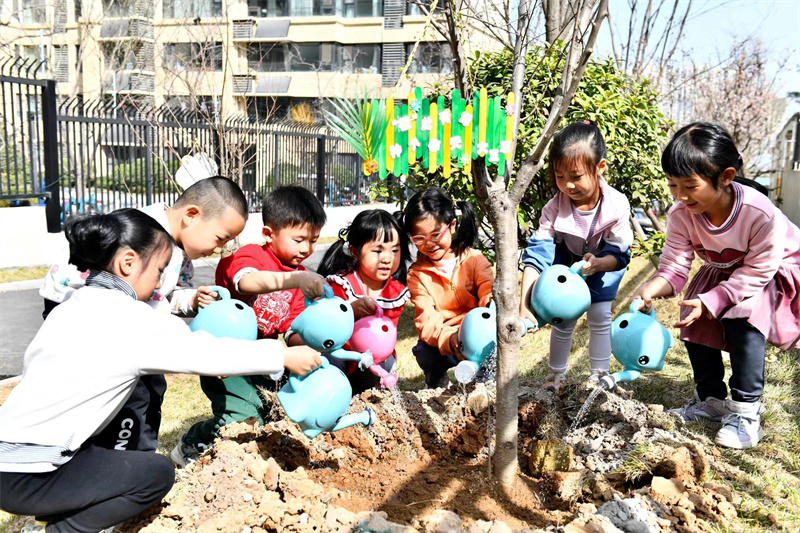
[
  {"x": 553, "y": 23},
  {"x": 502, "y": 213}
]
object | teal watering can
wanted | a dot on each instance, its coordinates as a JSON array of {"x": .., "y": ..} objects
[
  {"x": 477, "y": 339},
  {"x": 226, "y": 318},
  {"x": 639, "y": 342},
  {"x": 326, "y": 325},
  {"x": 318, "y": 401},
  {"x": 560, "y": 294}
]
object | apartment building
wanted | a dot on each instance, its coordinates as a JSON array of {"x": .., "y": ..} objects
[{"x": 276, "y": 58}]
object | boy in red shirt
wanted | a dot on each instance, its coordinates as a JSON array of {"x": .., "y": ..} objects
[{"x": 272, "y": 281}]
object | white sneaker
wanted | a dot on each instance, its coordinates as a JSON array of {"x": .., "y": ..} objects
[
  {"x": 741, "y": 429},
  {"x": 711, "y": 409},
  {"x": 183, "y": 454},
  {"x": 555, "y": 379}
]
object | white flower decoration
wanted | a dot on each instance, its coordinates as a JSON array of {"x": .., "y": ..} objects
[
  {"x": 465, "y": 119},
  {"x": 455, "y": 143},
  {"x": 427, "y": 124},
  {"x": 494, "y": 156},
  {"x": 483, "y": 149},
  {"x": 413, "y": 116},
  {"x": 434, "y": 144},
  {"x": 505, "y": 147},
  {"x": 444, "y": 116},
  {"x": 414, "y": 143},
  {"x": 404, "y": 123},
  {"x": 464, "y": 159},
  {"x": 395, "y": 151}
]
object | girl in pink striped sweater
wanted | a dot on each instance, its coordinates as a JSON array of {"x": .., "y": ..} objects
[{"x": 746, "y": 293}]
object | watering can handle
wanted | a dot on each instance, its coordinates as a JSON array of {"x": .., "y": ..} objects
[
  {"x": 577, "y": 268},
  {"x": 224, "y": 294},
  {"x": 328, "y": 294},
  {"x": 296, "y": 381},
  {"x": 637, "y": 303}
]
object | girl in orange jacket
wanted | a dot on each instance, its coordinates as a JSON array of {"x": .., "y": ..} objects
[{"x": 448, "y": 279}]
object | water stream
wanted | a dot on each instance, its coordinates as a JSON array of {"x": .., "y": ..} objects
[{"x": 584, "y": 410}]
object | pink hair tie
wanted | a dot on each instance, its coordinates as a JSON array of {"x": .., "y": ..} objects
[{"x": 740, "y": 155}]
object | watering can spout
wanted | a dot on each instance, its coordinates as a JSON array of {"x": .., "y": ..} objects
[
  {"x": 609, "y": 381},
  {"x": 366, "y": 417}
]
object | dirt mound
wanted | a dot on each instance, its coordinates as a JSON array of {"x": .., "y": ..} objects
[{"x": 425, "y": 466}]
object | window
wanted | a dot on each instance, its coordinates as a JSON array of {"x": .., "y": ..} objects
[
  {"x": 360, "y": 58},
  {"x": 119, "y": 8},
  {"x": 430, "y": 58},
  {"x": 191, "y": 9},
  {"x": 118, "y": 57},
  {"x": 33, "y": 11},
  {"x": 413, "y": 6},
  {"x": 180, "y": 57},
  {"x": 33, "y": 55},
  {"x": 268, "y": 8},
  {"x": 267, "y": 57},
  {"x": 363, "y": 8}
]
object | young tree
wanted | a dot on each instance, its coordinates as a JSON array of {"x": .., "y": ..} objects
[{"x": 501, "y": 197}]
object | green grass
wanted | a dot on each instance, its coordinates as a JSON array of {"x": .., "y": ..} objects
[
  {"x": 8, "y": 275},
  {"x": 768, "y": 476}
]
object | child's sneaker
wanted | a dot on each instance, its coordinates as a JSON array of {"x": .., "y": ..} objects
[
  {"x": 33, "y": 526},
  {"x": 741, "y": 429},
  {"x": 711, "y": 409},
  {"x": 184, "y": 454},
  {"x": 594, "y": 376},
  {"x": 554, "y": 380}
]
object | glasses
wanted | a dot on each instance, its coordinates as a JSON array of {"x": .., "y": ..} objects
[{"x": 434, "y": 237}]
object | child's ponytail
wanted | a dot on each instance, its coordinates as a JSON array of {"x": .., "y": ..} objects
[
  {"x": 337, "y": 259},
  {"x": 94, "y": 240},
  {"x": 467, "y": 231}
]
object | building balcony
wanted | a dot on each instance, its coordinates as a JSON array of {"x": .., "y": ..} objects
[
  {"x": 128, "y": 8},
  {"x": 129, "y": 82},
  {"x": 133, "y": 29}
]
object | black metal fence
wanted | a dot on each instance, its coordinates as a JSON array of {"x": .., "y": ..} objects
[
  {"x": 104, "y": 155},
  {"x": 28, "y": 147}
]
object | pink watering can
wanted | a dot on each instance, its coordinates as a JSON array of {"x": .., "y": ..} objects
[{"x": 376, "y": 334}]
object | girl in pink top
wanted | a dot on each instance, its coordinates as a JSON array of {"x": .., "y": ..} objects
[{"x": 746, "y": 293}]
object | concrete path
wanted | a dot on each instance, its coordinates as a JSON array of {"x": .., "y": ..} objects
[{"x": 21, "y": 312}]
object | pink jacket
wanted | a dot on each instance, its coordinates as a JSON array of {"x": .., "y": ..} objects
[{"x": 752, "y": 244}]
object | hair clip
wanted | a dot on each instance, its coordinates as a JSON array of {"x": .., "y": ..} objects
[
  {"x": 740, "y": 156},
  {"x": 587, "y": 122}
]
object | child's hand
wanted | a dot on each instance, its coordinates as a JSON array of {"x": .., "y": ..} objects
[
  {"x": 365, "y": 306},
  {"x": 590, "y": 267},
  {"x": 524, "y": 314},
  {"x": 301, "y": 359},
  {"x": 646, "y": 295},
  {"x": 204, "y": 296},
  {"x": 699, "y": 309},
  {"x": 311, "y": 285}
]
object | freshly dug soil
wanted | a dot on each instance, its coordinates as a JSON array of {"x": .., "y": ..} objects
[{"x": 425, "y": 466}]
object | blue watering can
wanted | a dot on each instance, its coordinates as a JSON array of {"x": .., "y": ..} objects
[
  {"x": 226, "y": 318},
  {"x": 326, "y": 325},
  {"x": 318, "y": 401},
  {"x": 477, "y": 339},
  {"x": 560, "y": 294},
  {"x": 639, "y": 342}
]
